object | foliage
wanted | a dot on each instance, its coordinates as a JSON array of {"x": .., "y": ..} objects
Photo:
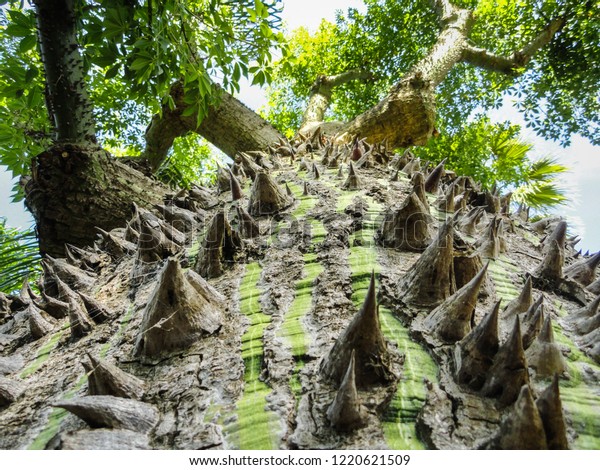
[
  {"x": 558, "y": 93},
  {"x": 195, "y": 162},
  {"x": 19, "y": 256},
  {"x": 494, "y": 155},
  {"x": 24, "y": 130},
  {"x": 539, "y": 189},
  {"x": 133, "y": 52},
  {"x": 479, "y": 151}
]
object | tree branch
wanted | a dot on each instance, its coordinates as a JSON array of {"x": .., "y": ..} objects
[
  {"x": 444, "y": 10},
  {"x": 512, "y": 64},
  {"x": 332, "y": 81},
  {"x": 406, "y": 116},
  {"x": 450, "y": 44},
  {"x": 484, "y": 59},
  {"x": 230, "y": 126},
  {"x": 545, "y": 36},
  {"x": 320, "y": 93}
]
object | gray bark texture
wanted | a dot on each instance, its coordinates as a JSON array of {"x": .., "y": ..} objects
[
  {"x": 310, "y": 334},
  {"x": 74, "y": 189}
]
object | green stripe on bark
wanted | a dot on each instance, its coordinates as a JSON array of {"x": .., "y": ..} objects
[
  {"x": 580, "y": 400},
  {"x": 398, "y": 422},
  {"x": 292, "y": 328},
  {"x": 43, "y": 354},
  {"x": 57, "y": 415},
  {"x": 499, "y": 271},
  {"x": 256, "y": 427}
]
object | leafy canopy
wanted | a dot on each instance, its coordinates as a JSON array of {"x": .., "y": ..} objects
[
  {"x": 191, "y": 161},
  {"x": 558, "y": 93},
  {"x": 133, "y": 51},
  {"x": 24, "y": 130}
]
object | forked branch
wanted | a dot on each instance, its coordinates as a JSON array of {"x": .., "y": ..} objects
[
  {"x": 320, "y": 93},
  {"x": 513, "y": 64}
]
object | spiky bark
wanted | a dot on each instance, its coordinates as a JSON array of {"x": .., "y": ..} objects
[
  {"x": 69, "y": 107},
  {"x": 201, "y": 355},
  {"x": 112, "y": 412}
]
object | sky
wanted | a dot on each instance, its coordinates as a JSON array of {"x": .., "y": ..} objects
[{"x": 582, "y": 183}]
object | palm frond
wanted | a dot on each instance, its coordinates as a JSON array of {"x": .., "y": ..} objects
[
  {"x": 545, "y": 169},
  {"x": 539, "y": 194},
  {"x": 19, "y": 256},
  {"x": 509, "y": 149}
]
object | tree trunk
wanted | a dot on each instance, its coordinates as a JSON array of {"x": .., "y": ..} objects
[
  {"x": 66, "y": 96},
  {"x": 74, "y": 189},
  {"x": 231, "y": 126},
  {"x": 320, "y": 96},
  {"x": 303, "y": 334},
  {"x": 75, "y": 186}
]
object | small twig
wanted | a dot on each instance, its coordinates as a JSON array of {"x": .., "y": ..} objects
[{"x": 528, "y": 254}]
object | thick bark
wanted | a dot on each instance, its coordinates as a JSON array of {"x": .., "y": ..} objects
[
  {"x": 230, "y": 126},
  {"x": 279, "y": 324},
  {"x": 68, "y": 104},
  {"x": 74, "y": 189},
  {"x": 405, "y": 117}
]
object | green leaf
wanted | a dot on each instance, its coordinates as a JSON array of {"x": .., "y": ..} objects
[
  {"x": 6, "y": 135},
  {"x": 19, "y": 256},
  {"x": 236, "y": 72},
  {"x": 17, "y": 30},
  {"x": 34, "y": 98},
  {"x": 202, "y": 112},
  {"x": 140, "y": 63},
  {"x": 143, "y": 43},
  {"x": 204, "y": 85},
  {"x": 112, "y": 72},
  {"x": 104, "y": 61},
  {"x": 544, "y": 168},
  {"x": 27, "y": 43},
  {"x": 171, "y": 102},
  {"x": 19, "y": 18},
  {"x": 31, "y": 73},
  {"x": 190, "y": 111}
]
